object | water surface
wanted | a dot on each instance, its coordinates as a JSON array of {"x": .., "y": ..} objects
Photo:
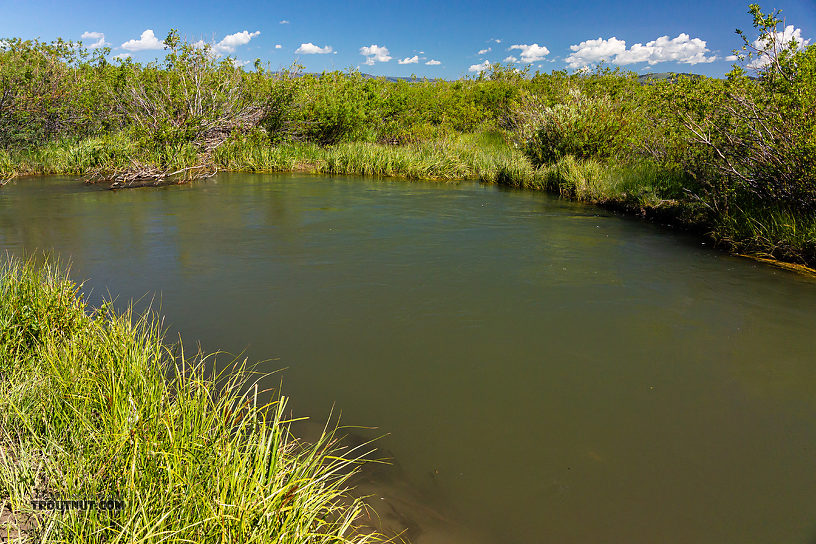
[{"x": 547, "y": 372}]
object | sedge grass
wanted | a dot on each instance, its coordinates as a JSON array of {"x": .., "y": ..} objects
[
  {"x": 768, "y": 232},
  {"x": 70, "y": 157},
  {"x": 95, "y": 404},
  {"x": 455, "y": 158}
]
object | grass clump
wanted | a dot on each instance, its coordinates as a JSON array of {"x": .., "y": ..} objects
[
  {"x": 70, "y": 156},
  {"x": 95, "y": 404},
  {"x": 481, "y": 156},
  {"x": 771, "y": 232}
]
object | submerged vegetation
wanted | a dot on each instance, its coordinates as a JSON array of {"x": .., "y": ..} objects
[
  {"x": 94, "y": 405},
  {"x": 733, "y": 157}
]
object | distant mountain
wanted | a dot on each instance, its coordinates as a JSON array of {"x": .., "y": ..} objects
[
  {"x": 642, "y": 78},
  {"x": 392, "y": 79},
  {"x": 660, "y": 76}
]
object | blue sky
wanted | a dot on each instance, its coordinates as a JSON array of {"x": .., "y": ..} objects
[{"x": 439, "y": 38}]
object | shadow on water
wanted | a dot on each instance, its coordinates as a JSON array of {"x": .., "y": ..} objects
[{"x": 400, "y": 508}]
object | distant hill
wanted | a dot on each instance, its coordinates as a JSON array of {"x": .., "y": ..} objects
[
  {"x": 392, "y": 79},
  {"x": 642, "y": 78},
  {"x": 660, "y": 76},
  {"x": 395, "y": 78}
]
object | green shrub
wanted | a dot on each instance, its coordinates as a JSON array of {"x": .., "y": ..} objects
[{"x": 581, "y": 126}]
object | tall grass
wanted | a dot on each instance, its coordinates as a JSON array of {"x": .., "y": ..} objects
[
  {"x": 772, "y": 232},
  {"x": 71, "y": 157},
  {"x": 95, "y": 404},
  {"x": 478, "y": 156},
  {"x": 8, "y": 169}
]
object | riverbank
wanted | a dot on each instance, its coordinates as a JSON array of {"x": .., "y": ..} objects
[
  {"x": 110, "y": 433},
  {"x": 644, "y": 189}
]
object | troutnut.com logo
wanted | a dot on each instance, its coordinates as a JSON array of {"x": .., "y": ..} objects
[{"x": 64, "y": 505}]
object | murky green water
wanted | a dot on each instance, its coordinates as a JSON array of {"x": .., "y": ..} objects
[{"x": 547, "y": 372}]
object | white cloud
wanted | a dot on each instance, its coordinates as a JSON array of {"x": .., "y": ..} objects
[
  {"x": 278, "y": 46},
  {"x": 146, "y": 42},
  {"x": 121, "y": 56},
  {"x": 494, "y": 40},
  {"x": 592, "y": 51},
  {"x": 479, "y": 67},
  {"x": 231, "y": 41},
  {"x": 312, "y": 49},
  {"x": 783, "y": 39},
  {"x": 483, "y": 51},
  {"x": 731, "y": 58},
  {"x": 98, "y": 36},
  {"x": 433, "y": 62},
  {"x": 239, "y": 63},
  {"x": 283, "y": 22},
  {"x": 531, "y": 53},
  {"x": 683, "y": 49},
  {"x": 375, "y": 53},
  {"x": 409, "y": 60},
  {"x": 511, "y": 58}
]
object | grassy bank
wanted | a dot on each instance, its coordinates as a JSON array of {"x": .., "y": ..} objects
[
  {"x": 644, "y": 188},
  {"x": 96, "y": 405}
]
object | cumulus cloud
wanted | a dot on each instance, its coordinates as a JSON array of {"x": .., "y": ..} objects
[
  {"x": 146, "y": 42},
  {"x": 409, "y": 60},
  {"x": 98, "y": 36},
  {"x": 312, "y": 49},
  {"x": 228, "y": 45},
  {"x": 496, "y": 40},
  {"x": 592, "y": 51},
  {"x": 375, "y": 53},
  {"x": 511, "y": 58},
  {"x": 121, "y": 56},
  {"x": 683, "y": 49},
  {"x": 284, "y": 22},
  {"x": 278, "y": 46},
  {"x": 483, "y": 51},
  {"x": 231, "y": 41},
  {"x": 731, "y": 58},
  {"x": 783, "y": 38},
  {"x": 531, "y": 53},
  {"x": 433, "y": 62},
  {"x": 481, "y": 67}
]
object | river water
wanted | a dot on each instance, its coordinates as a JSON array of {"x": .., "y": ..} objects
[{"x": 543, "y": 371}]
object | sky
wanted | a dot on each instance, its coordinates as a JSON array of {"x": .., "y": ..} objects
[{"x": 427, "y": 38}]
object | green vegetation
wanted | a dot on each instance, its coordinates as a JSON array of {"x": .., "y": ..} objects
[
  {"x": 96, "y": 405},
  {"x": 734, "y": 158}
]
